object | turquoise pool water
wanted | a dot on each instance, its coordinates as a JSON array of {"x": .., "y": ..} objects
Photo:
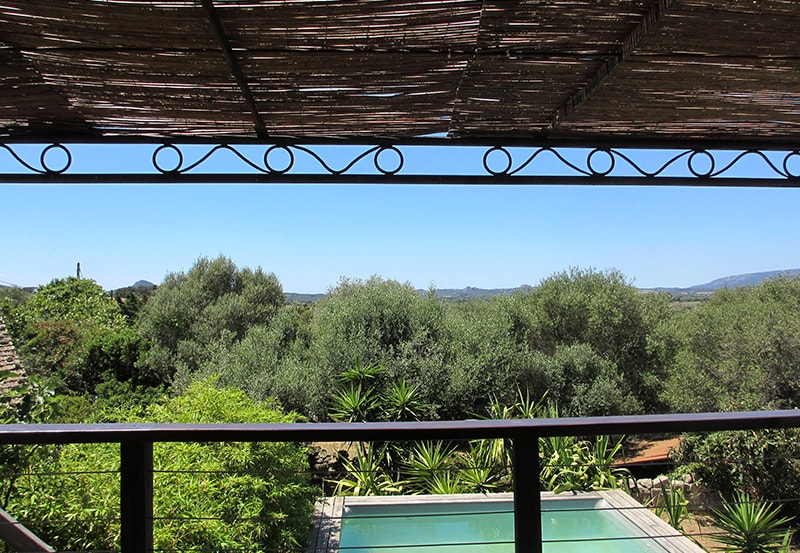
[{"x": 487, "y": 527}]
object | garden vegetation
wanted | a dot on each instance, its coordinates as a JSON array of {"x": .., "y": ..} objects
[{"x": 220, "y": 343}]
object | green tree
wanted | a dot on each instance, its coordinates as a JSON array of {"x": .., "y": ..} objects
[
  {"x": 207, "y": 496},
  {"x": 212, "y": 305},
  {"x": 583, "y": 383},
  {"x": 272, "y": 361},
  {"x": 615, "y": 319},
  {"x": 583, "y": 336},
  {"x": 381, "y": 322},
  {"x": 72, "y": 333},
  {"x": 737, "y": 350},
  {"x": 485, "y": 354},
  {"x": 11, "y": 298},
  {"x": 66, "y": 299}
]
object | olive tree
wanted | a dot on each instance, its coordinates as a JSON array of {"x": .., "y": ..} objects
[
  {"x": 212, "y": 305},
  {"x": 604, "y": 311},
  {"x": 737, "y": 350}
]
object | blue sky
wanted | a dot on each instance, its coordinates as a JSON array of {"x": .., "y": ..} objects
[{"x": 449, "y": 236}]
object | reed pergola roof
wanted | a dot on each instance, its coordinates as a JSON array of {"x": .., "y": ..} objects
[{"x": 708, "y": 70}]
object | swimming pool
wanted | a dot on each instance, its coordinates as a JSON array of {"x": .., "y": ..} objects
[{"x": 596, "y": 522}]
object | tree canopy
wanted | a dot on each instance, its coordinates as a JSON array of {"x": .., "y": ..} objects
[
  {"x": 211, "y": 305},
  {"x": 739, "y": 350}
]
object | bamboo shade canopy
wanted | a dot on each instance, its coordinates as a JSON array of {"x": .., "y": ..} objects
[{"x": 709, "y": 70}]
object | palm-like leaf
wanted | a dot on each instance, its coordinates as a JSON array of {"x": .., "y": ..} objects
[
  {"x": 674, "y": 504},
  {"x": 361, "y": 373},
  {"x": 428, "y": 462},
  {"x": 751, "y": 526},
  {"x": 366, "y": 476},
  {"x": 402, "y": 402},
  {"x": 354, "y": 404}
]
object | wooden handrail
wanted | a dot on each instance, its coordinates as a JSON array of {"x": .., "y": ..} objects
[{"x": 425, "y": 430}]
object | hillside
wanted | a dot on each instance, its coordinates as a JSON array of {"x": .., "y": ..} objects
[
  {"x": 735, "y": 281},
  {"x": 470, "y": 292}
]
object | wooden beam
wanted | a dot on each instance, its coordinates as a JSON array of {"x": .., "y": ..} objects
[
  {"x": 19, "y": 538},
  {"x": 235, "y": 67},
  {"x": 628, "y": 46}
]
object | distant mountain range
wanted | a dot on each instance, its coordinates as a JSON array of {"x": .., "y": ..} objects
[
  {"x": 736, "y": 281},
  {"x": 461, "y": 294}
]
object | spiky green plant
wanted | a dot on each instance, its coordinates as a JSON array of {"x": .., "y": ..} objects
[
  {"x": 480, "y": 473},
  {"x": 427, "y": 465},
  {"x": 752, "y": 526},
  {"x": 402, "y": 402},
  {"x": 354, "y": 404},
  {"x": 445, "y": 483},
  {"x": 572, "y": 465},
  {"x": 366, "y": 476},
  {"x": 674, "y": 504},
  {"x": 361, "y": 373}
]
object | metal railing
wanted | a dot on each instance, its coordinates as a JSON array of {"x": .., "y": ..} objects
[{"x": 136, "y": 451}]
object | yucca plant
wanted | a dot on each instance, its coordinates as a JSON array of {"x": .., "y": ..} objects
[
  {"x": 571, "y": 465},
  {"x": 606, "y": 475},
  {"x": 428, "y": 464},
  {"x": 402, "y": 402},
  {"x": 752, "y": 526},
  {"x": 445, "y": 483},
  {"x": 481, "y": 473},
  {"x": 361, "y": 373},
  {"x": 366, "y": 476},
  {"x": 354, "y": 404}
]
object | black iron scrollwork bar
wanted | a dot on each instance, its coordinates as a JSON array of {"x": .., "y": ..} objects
[
  {"x": 269, "y": 168},
  {"x": 45, "y": 167},
  {"x": 612, "y": 155},
  {"x": 349, "y": 163}
]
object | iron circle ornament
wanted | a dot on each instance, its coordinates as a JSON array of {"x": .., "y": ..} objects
[
  {"x": 400, "y": 160},
  {"x": 53, "y": 148},
  {"x": 786, "y": 164},
  {"x": 590, "y": 162},
  {"x": 506, "y": 153},
  {"x": 693, "y": 158},
  {"x": 168, "y": 147},
  {"x": 289, "y": 159}
]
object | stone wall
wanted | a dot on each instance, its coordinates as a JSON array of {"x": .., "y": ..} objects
[
  {"x": 9, "y": 362},
  {"x": 649, "y": 491}
]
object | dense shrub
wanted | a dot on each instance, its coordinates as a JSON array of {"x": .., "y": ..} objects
[
  {"x": 369, "y": 321},
  {"x": 484, "y": 358},
  {"x": 583, "y": 383},
  {"x": 208, "y": 496},
  {"x": 604, "y": 311},
  {"x": 272, "y": 361},
  {"x": 764, "y": 463},
  {"x": 739, "y": 350},
  {"x": 72, "y": 334},
  {"x": 549, "y": 339},
  {"x": 66, "y": 299}
]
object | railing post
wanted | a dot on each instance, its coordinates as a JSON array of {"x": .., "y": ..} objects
[
  {"x": 136, "y": 497},
  {"x": 527, "y": 499}
]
